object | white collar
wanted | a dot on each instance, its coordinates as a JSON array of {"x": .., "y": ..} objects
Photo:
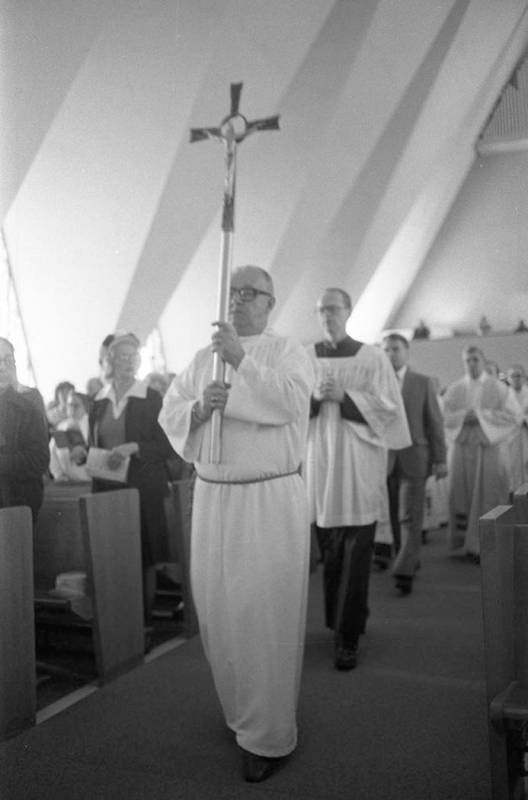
[
  {"x": 138, "y": 389},
  {"x": 401, "y": 373}
]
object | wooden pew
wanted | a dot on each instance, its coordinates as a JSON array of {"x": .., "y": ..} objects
[
  {"x": 178, "y": 510},
  {"x": 111, "y": 533},
  {"x": 18, "y": 699},
  {"x": 58, "y": 542},
  {"x": 504, "y": 571},
  {"x": 98, "y": 534},
  {"x": 520, "y": 504}
]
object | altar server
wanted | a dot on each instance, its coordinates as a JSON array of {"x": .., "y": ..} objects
[
  {"x": 250, "y": 526},
  {"x": 480, "y": 416},
  {"x": 357, "y": 416}
]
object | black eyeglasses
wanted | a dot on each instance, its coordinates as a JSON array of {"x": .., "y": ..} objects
[
  {"x": 330, "y": 309},
  {"x": 246, "y": 293}
]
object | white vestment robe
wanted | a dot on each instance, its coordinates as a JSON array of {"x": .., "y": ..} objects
[
  {"x": 478, "y": 470},
  {"x": 518, "y": 442},
  {"x": 346, "y": 464},
  {"x": 251, "y": 537}
]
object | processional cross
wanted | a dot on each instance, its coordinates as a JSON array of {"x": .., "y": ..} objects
[{"x": 232, "y": 130}]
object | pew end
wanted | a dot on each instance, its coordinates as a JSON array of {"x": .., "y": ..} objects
[
  {"x": 520, "y": 504},
  {"x": 98, "y": 534},
  {"x": 18, "y": 699},
  {"x": 504, "y": 574},
  {"x": 112, "y": 541}
]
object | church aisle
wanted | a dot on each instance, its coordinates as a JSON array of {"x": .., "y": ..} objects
[{"x": 409, "y": 723}]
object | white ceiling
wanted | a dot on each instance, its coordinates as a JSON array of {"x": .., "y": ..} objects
[{"x": 111, "y": 216}]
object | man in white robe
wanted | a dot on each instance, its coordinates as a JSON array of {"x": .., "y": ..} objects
[
  {"x": 250, "y": 525},
  {"x": 518, "y": 444},
  {"x": 357, "y": 414},
  {"x": 480, "y": 415}
]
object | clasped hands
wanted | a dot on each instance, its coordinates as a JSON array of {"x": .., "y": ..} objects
[{"x": 328, "y": 389}]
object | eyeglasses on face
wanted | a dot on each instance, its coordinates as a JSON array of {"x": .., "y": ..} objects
[
  {"x": 246, "y": 293},
  {"x": 330, "y": 309}
]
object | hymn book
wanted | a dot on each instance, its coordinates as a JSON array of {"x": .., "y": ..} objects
[{"x": 97, "y": 466}]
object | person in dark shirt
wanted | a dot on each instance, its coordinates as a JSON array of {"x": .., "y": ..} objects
[{"x": 24, "y": 453}]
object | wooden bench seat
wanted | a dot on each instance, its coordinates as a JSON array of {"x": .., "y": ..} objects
[
  {"x": 504, "y": 571},
  {"x": 17, "y": 634},
  {"x": 105, "y": 530}
]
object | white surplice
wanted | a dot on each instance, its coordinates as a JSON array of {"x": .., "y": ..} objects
[
  {"x": 250, "y": 541},
  {"x": 479, "y": 476},
  {"x": 346, "y": 463},
  {"x": 518, "y": 443}
]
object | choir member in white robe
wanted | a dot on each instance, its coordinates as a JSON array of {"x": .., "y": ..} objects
[
  {"x": 480, "y": 415},
  {"x": 357, "y": 414},
  {"x": 250, "y": 523},
  {"x": 518, "y": 443}
]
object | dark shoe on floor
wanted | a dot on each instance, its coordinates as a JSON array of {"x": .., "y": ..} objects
[
  {"x": 256, "y": 768},
  {"x": 346, "y": 658},
  {"x": 380, "y": 564},
  {"x": 403, "y": 584}
]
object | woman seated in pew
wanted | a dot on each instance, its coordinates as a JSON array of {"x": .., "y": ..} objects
[
  {"x": 124, "y": 423},
  {"x": 71, "y": 434}
]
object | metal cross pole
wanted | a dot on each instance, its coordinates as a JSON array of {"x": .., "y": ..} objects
[{"x": 233, "y": 129}]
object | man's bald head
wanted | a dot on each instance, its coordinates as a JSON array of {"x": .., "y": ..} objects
[{"x": 252, "y": 299}]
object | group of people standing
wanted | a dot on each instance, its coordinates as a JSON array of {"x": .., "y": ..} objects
[
  {"x": 327, "y": 435},
  {"x": 305, "y": 439},
  {"x": 316, "y": 442}
]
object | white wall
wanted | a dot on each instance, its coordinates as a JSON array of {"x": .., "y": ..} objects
[
  {"x": 479, "y": 262},
  {"x": 442, "y": 358}
]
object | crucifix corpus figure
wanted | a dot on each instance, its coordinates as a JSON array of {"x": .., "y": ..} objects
[{"x": 233, "y": 129}]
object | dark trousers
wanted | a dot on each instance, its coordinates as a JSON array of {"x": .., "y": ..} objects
[
  {"x": 347, "y": 556},
  {"x": 393, "y": 490},
  {"x": 406, "y": 522}
]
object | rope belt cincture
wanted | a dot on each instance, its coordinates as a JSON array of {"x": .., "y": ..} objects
[{"x": 252, "y": 480}]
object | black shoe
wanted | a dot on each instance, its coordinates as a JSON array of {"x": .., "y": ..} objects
[
  {"x": 346, "y": 658},
  {"x": 403, "y": 584},
  {"x": 256, "y": 768},
  {"x": 380, "y": 564}
]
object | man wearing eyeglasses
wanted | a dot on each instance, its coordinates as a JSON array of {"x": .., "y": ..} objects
[
  {"x": 24, "y": 453},
  {"x": 250, "y": 526},
  {"x": 357, "y": 413}
]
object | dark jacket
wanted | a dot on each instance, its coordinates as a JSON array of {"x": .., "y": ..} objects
[
  {"x": 24, "y": 452},
  {"x": 148, "y": 469}
]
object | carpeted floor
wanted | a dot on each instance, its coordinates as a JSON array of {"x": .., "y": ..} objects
[{"x": 408, "y": 724}]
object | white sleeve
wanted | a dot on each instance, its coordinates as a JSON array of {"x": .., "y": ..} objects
[
  {"x": 272, "y": 395},
  {"x": 175, "y": 414}
]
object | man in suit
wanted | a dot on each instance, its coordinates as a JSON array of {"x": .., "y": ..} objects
[
  {"x": 24, "y": 453},
  {"x": 408, "y": 469}
]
